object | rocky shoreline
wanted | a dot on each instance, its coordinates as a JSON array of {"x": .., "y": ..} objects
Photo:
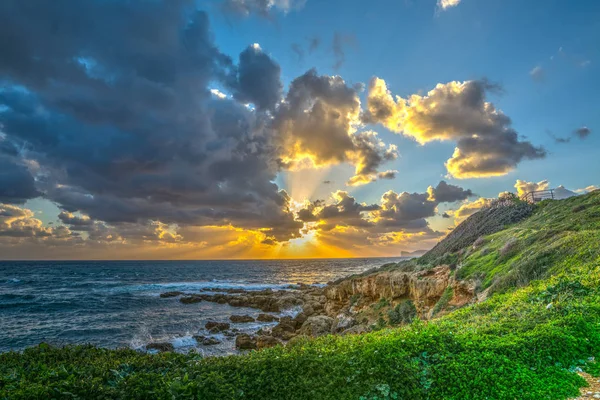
[{"x": 353, "y": 305}]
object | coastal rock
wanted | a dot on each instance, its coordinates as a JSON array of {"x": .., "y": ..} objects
[
  {"x": 308, "y": 310},
  {"x": 287, "y": 335},
  {"x": 190, "y": 299},
  {"x": 316, "y": 326},
  {"x": 160, "y": 346},
  {"x": 245, "y": 342},
  {"x": 266, "y": 318},
  {"x": 299, "y": 319},
  {"x": 355, "y": 330},
  {"x": 217, "y": 326},
  {"x": 424, "y": 288},
  {"x": 263, "y": 342},
  {"x": 170, "y": 294},
  {"x": 207, "y": 340},
  {"x": 241, "y": 318},
  {"x": 342, "y": 322},
  {"x": 283, "y": 327}
]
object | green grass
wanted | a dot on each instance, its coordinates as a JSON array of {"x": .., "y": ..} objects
[{"x": 515, "y": 345}]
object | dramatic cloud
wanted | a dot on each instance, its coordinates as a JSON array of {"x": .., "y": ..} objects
[
  {"x": 524, "y": 187},
  {"x": 258, "y": 79},
  {"x": 17, "y": 224},
  {"x": 17, "y": 185},
  {"x": 116, "y": 112},
  {"x": 397, "y": 217},
  {"x": 486, "y": 144},
  {"x": 469, "y": 208},
  {"x": 317, "y": 122},
  {"x": 446, "y": 193},
  {"x": 560, "y": 192}
]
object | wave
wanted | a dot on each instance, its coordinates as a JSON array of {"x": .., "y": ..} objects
[{"x": 212, "y": 286}]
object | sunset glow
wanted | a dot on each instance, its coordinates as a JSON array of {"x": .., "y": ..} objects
[{"x": 247, "y": 129}]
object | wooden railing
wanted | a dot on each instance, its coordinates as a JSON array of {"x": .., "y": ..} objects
[{"x": 538, "y": 195}]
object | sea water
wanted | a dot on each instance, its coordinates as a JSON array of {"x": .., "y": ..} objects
[{"x": 117, "y": 304}]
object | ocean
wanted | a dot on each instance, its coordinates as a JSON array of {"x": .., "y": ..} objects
[{"x": 117, "y": 304}]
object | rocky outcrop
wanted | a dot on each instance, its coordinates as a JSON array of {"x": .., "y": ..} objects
[
  {"x": 283, "y": 329},
  {"x": 315, "y": 326},
  {"x": 245, "y": 342},
  {"x": 265, "y": 341},
  {"x": 267, "y": 318},
  {"x": 348, "y": 306},
  {"x": 342, "y": 323},
  {"x": 423, "y": 288},
  {"x": 160, "y": 346},
  {"x": 170, "y": 294},
  {"x": 241, "y": 318},
  {"x": 213, "y": 326},
  {"x": 265, "y": 300}
]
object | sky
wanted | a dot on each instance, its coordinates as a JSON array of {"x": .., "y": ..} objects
[{"x": 247, "y": 129}]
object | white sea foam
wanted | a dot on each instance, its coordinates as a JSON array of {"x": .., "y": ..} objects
[
  {"x": 183, "y": 341},
  {"x": 214, "y": 285}
]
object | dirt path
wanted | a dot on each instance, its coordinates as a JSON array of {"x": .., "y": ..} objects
[{"x": 592, "y": 391}]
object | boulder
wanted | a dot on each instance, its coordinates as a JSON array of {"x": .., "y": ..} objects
[
  {"x": 170, "y": 294},
  {"x": 267, "y": 318},
  {"x": 308, "y": 310},
  {"x": 300, "y": 319},
  {"x": 160, "y": 346},
  {"x": 245, "y": 342},
  {"x": 342, "y": 322},
  {"x": 317, "y": 326},
  {"x": 217, "y": 326},
  {"x": 241, "y": 318},
  {"x": 281, "y": 328},
  {"x": 263, "y": 342}
]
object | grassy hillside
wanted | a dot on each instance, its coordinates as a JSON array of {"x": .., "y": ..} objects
[{"x": 540, "y": 322}]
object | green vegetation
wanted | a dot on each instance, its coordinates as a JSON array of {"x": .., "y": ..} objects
[
  {"x": 403, "y": 313},
  {"x": 540, "y": 322},
  {"x": 443, "y": 301}
]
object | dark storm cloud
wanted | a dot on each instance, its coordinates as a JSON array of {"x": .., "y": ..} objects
[
  {"x": 111, "y": 99},
  {"x": 447, "y": 193},
  {"x": 76, "y": 222},
  {"x": 258, "y": 79},
  {"x": 17, "y": 185}
]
